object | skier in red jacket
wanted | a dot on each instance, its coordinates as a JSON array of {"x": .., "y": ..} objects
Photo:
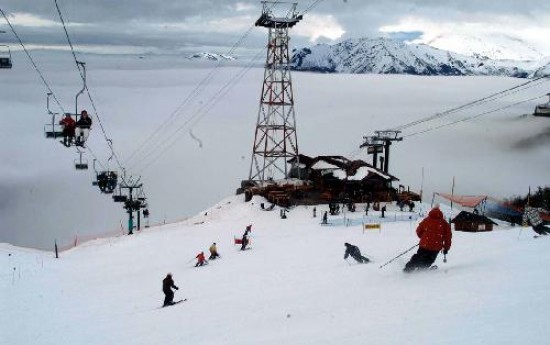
[
  {"x": 201, "y": 260},
  {"x": 435, "y": 234}
]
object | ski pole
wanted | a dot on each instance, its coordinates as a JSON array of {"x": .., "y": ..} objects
[
  {"x": 520, "y": 230},
  {"x": 405, "y": 252}
]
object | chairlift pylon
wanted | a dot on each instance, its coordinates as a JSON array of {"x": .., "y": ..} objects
[{"x": 5, "y": 57}]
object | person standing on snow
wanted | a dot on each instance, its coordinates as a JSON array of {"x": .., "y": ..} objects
[
  {"x": 167, "y": 285},
  {"x": 325, "y": 218},
  {"x": 201, "y": 260},
  {"x": 532, "y": 217},
  {"x": 244, "y": 239},
  {"x": 435, "y": 234},
  {"x": 355, "y": 253},
  {"x": 213, "y": 252}
]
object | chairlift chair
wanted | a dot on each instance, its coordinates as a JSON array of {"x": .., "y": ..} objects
[
  {"x": 119, "y": 197},
  {"x": 80, "y": 163},
  {"x": 106, "y": 181},
  {"x": 5, "y": 57},
  {"x": 543, "y": 109},
  {"x": 52, "y": 130}
]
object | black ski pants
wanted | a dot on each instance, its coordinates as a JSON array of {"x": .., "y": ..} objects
[
  {"x": 168, "y": 297},
  {"x": 360, "y": 259},
  {"x": 541, "y": 229},
  {"x": 421, "y": 260}
]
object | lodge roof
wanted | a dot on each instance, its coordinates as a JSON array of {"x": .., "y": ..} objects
[{"x": 472, "y": 217}]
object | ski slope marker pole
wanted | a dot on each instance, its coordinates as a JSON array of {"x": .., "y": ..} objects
[{"x": 405, "y": 252}]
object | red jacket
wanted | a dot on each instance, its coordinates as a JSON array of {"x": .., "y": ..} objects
[
  {"x": 200, "y": 257},
  {"x": 434, "y": 232},
  {"x": 68, "y": 122}
]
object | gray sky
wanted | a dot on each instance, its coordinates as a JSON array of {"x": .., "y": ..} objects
[{"x": 173, "y": 26}]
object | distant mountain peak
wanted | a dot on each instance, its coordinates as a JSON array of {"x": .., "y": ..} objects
[
  {"x": 388, "y": 56},
  {"x": 497, "y": 47},
  {"x": 210, "y": 56}
]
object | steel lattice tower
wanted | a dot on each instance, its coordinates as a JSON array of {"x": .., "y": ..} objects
[{"x": 275, "y": 140}]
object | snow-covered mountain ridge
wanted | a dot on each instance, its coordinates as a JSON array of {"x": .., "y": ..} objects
[
  {"x": 210, "y": 56},
  {"x": 387, "y": 56},
  {"x": 494, "y": 46}
]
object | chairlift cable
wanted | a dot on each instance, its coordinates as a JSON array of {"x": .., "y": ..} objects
[
  {"x": 504, "y": 93},
  {"x": 32, "y": 61},
  {"x": 95, "y": 157},
  {"x": 200, "y": 113},
  {"x": 312, "y": 6},
  {"x": 193, "y": 94},
  {"x": 203, "y": 111},
  {"x": 474, "y": 116},
  {"x": 477, "y": 102},
  {"x": 109, "y": 141}
]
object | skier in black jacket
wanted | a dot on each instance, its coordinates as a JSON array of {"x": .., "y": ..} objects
[
  {"x": 167, "y": 285},
  {"x": 355, "y": 253}
]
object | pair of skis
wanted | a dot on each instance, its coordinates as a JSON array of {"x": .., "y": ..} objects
[{"x": 174, "y": 303}]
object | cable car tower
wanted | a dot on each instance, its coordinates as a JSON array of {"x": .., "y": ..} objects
[{"x": 275, "y": 139}]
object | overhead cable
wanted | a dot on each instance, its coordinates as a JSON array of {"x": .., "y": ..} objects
[
  {"x": 32, "y": 61},
  {"x": 193, "y": 94}
]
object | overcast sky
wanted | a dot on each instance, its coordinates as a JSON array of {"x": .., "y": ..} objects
[{"x": 186, "y": 25}]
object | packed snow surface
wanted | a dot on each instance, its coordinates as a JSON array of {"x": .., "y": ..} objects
[{"x": 292, "y": 287}]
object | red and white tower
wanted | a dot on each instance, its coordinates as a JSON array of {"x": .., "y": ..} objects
[{"x": 275, "y": 141}]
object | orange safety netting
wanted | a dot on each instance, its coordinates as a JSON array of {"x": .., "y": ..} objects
[{"x": 470, "y": 201}]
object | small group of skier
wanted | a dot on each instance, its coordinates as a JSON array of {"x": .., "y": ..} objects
[
  {"x": 433, "y": 231},
  {"x": 168, "y": 282},
  {"x": 201, "y": 259},
  {"x": 435, "y": 235}
]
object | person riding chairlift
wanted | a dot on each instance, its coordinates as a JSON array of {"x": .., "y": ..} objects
[
  {"x": 83, "y": 126},
  {"x": 69, "y": 125}
]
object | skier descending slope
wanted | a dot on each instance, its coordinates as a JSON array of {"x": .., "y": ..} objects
[
  {"x": 532, "y": 217},
  {"x": 201, "y": 260},
  {"x": 245, "y": 240},
  {"x": 355, "y": 253},
  {"x": 213, "y": 252},
  {"x": 435, "y": 234},
  {"x": 167, "y": 285}
]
